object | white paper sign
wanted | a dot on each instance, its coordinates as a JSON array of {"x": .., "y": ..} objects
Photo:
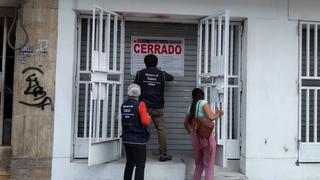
[{"x": 169, "y": 50}]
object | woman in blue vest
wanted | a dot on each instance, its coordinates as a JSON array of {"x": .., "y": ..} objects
[{"x": 135, "y": 135}]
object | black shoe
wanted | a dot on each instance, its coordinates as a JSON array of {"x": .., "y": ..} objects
[{"x": 165, "y": 157}]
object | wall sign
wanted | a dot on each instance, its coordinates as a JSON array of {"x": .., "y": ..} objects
[{"x": 169, "y": 50}]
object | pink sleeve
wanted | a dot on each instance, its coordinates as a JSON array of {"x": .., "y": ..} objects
[{"x": 144, "y": 116}]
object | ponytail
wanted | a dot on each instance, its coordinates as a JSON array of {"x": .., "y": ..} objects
[{"x": 197, "y": 94}]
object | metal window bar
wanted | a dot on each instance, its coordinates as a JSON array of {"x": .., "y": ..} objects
[
  {"x": 315, "y": 115},
  {"x": 106, "y": 112},
  {"x": 122, "y": 38},
  {"x": 4, "y": 57},
  {"x": 199, "y": 54},
  {"x": 206, "y": 53},
  {"x": 101, "y": 63},
  {"x": 213, "y": 46},
  {"x": 231, "y": 51},
  {"x": 219, "y": 54},
  {"x": 239, "y": 81},
  {"x": 308, "y": 50},
  {"x": 98, "y": 118},
  {"x": 107, "y": 40},
  {"x": 113, "y": 109},
  {"x": 212, "y": 62},
  {"x": 300, "y": 83},
  {"x": 115, "y": 30},
  {"x": 230, "y": 109},
  {"x": 315, "y": 50}
]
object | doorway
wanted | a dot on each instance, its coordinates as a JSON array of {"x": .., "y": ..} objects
[{"x": 180, "y": 89}]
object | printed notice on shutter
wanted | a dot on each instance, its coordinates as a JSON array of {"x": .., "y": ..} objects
[{"x": 169, "y": 50}]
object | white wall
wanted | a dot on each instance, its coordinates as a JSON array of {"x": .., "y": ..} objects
[
  {"x": 304, "y": 10},
  {"x": 240, "y": 8},
  {"x": 63, "y": 124},
  {"x": 272, "y": 100},
  {"x": 271, "y": 112}
]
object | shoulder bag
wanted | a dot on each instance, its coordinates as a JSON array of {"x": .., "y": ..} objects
[{"x": 202, "y": 127}]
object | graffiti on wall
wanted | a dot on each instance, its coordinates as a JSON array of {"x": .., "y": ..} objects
[{"x": 34, "y": 89}]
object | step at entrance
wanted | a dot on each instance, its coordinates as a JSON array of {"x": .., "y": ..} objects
[{"x": 230, "y": 173}]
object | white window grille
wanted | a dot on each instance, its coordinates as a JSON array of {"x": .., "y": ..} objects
[
  {"x": 309, "y": 93},
  {"x": 99, "y": 86},
  {"x": 218, "y": 74}
]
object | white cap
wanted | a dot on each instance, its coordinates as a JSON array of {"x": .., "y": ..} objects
[{"x": 134, "y": 90}]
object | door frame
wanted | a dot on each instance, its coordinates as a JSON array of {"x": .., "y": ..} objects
[{"x": 83, "y": 142}]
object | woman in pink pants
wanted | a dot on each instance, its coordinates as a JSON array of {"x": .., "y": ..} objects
[{"x": 204, "y": 150}]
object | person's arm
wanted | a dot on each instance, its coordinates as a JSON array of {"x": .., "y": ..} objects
[
  {"x": 210, "y": 115},
  {"x": 187, "y": 125},
  {"x": 168, "y": 77},
  {"x": 136, "y": 79},
  {"x": 144, "y": 116}
]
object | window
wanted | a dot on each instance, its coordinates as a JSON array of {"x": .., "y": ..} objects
[{"x": 309, "y": 93}]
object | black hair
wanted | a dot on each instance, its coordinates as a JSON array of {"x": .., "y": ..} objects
[
  {"x": 151, "y": 60},
  {"x": 197, "y": 94}
]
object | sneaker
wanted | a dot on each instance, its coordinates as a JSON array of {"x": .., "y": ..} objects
[{"x": 165, "y": 157}]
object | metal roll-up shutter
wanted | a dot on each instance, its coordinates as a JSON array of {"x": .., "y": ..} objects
[{"x": 178, "y": 92}]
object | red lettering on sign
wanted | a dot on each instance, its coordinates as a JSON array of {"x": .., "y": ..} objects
[
  {"x": 150, "y": 48},
  {"x": 143, "y": 48},
  {"x": 170, "y": 49},
  {"x": 178, "y": 49},
  {"x": 136, "y": 48},
  {"x": 157, "y": 49},
  {"x": 164, "y": 50}
]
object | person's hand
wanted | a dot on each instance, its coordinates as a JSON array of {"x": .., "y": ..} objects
[{"x": 220, "y": 112}]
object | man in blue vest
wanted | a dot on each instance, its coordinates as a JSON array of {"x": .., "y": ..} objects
[{"x": 151, "y": 80}]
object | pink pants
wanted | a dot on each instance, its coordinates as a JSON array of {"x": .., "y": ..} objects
[{"x": 204, "y": 152}]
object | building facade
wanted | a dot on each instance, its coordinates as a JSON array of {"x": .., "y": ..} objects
[{"x": 257, "y": 60}]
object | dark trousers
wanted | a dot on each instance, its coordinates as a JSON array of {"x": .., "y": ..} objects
[{"x": 136, "y": 157}]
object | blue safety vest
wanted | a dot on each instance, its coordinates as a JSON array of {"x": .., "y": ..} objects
[
  {"x": 151, "y": 81},
  {"x": 133, "y": 131}
]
